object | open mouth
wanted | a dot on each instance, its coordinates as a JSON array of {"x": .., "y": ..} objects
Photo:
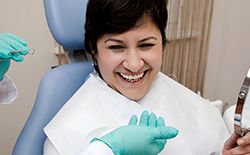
[{"x": 132, "y": 78}]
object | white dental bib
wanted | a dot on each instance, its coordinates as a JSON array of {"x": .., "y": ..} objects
[{"x": 96, "y": 109}]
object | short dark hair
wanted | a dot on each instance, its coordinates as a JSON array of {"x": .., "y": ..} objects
[{"x": 118, "y": 16}]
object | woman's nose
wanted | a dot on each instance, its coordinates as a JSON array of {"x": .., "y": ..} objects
[{"x": 133, "y": 61}]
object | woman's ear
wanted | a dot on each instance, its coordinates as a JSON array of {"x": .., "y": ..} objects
[{"x": 95, "y": 63}]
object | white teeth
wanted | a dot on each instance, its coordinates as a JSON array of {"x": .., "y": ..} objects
[{"x": 132, "y": 78}]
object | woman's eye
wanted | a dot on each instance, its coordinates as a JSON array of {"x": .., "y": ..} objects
[
  {"x": 116, "y": 48},
  {"x": 146, "y": 45}
]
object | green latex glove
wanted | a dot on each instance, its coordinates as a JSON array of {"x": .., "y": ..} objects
[
  {"x": 10, "y": 43},
  {"x": 4, "y": 66},
  {"x": 146, "y": 138}
]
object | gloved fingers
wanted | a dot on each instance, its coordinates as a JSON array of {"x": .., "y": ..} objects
[
  {"x": 164, "y": 132},
  {"x": 160, "y": 122},
  {"x": 5, "y": 49},
  {"x": 5, "y": 54},
  {"x": 24, "y": 51},
  {"x": 144, "y": 118},
  {"x": 133, "y": 120},
  {"x": 17, "y": 57},
  {"x": 16, "y": 38},
  {"x": 20, "y": 49},
  {"x": 160, "y": 143},
  {"x": 12, "y": 44},
  {"x": 8, "y": 55},
  {"x": 152, "y": 120}
]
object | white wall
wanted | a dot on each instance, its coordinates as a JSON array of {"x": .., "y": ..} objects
[
  {"x": 26, "y": 19},
  {"x": 229, "y": 50}
]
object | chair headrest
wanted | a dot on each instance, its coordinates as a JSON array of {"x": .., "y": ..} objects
[{"x": 66, "y": 20}]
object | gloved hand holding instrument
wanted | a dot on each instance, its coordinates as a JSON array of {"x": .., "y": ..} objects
[{"x": 11, "y": 47}]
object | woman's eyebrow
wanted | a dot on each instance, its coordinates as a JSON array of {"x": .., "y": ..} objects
[
  {"x": 148, "y": 38},
  {"x": 112, "y": 39},
  {"x": 121, "y": 41}
]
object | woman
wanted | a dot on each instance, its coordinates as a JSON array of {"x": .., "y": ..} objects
[{"x": 126, "y": 39}]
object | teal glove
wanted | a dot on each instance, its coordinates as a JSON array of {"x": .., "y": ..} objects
[
  {"x": 11, "y": 47},
  {"x": 147, "y": 138},
  {"x": 4, "y": 66}
]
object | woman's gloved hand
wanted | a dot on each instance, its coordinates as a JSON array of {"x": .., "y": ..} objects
[
  {"x": 11, "y": 47},
  {"x": 146, "y": 138}
]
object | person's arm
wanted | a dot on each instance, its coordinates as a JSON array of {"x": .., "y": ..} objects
[
  {"x": 146, "y": 137},
  {"x": 149, "y": 136}
]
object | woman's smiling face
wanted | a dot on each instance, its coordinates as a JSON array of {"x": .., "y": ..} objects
[{"x": 130, "y": 61}]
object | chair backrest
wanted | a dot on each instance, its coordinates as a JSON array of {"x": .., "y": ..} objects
[
  {"x": 66, "y": 22},
  {"x": 56, "y": 87}
]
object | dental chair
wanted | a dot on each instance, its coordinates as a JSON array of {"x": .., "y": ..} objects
[{"x": 66, "y": 22}]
